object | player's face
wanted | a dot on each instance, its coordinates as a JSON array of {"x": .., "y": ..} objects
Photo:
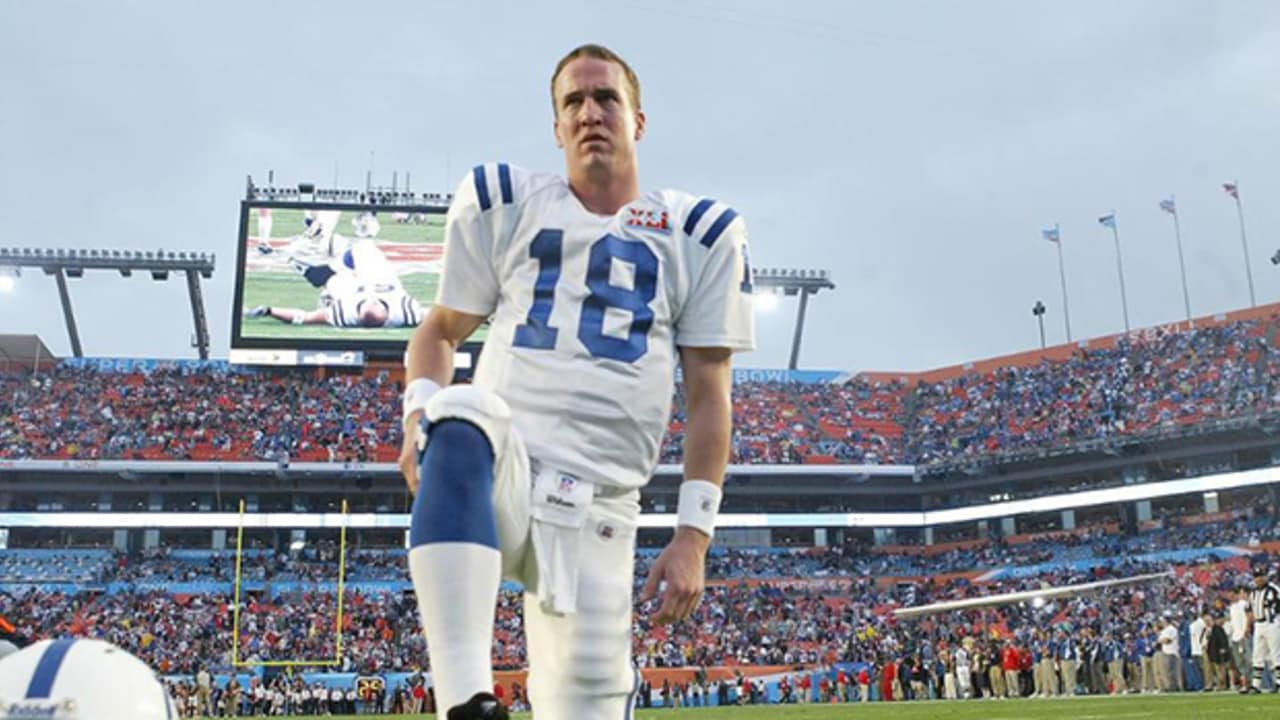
[{"x": 596, "y": 124}]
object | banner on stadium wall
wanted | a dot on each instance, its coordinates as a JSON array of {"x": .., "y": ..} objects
[
  {"x": 803, "y": 377},
  {"x": 148, "y": 365}
]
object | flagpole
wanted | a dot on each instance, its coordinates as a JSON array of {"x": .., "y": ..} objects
[
  {"x": 1062, "y": 276},
  {"x": 1124, "y": 300},
  {"x": 1182, "y": 265},
  {"x": 1248, "y": 268}
]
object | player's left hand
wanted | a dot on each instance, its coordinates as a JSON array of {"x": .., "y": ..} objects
[{"x": 682, "y": 567}]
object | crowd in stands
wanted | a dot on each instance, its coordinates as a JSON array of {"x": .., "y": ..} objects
[
  {"x": 316, "y": 563},
  {"x": 814, "y": 607},
  {"x": 1165, "y": 381},
  {"x": 788, "y": 423},
  {"x": 183, "y": 414},
  {"x": 1158, "y": 382}
]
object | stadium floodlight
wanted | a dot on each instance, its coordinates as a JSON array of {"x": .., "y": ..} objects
[
  {"x": 63, "y": 264},
  {"x": 792, "y": 282},
  {"x": 766, "y": 301}
]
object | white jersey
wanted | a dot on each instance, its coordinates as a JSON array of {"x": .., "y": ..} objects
[
  {"x": 1239, "y": 621},
  {"x": 1198, "y": 637},
  {"x": 343, "y": 307},
  {"x": 365, "y": 275},
  {"x": 588, "y": 310}
]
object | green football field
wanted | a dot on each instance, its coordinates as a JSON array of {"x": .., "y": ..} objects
[{"x": 1188, "y": 705}]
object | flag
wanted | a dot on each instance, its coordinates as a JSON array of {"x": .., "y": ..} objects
[
  {"x": 1108, "y": 220},
  {"x": 1051, "y": 234},
  {"x": 1169, "y": 207},
  {"x": 1232, "y": 190}
]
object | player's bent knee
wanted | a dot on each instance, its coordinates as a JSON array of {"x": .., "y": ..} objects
[
  {"x": 454, "y": 499},
  {"x": 478, "y": 406}
]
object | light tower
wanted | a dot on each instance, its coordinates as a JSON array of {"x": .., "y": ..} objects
[
  {"x": 791, "y": 281},
  {"x": 63, "y": 264}
]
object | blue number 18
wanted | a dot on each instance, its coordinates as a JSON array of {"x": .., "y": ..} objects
[{"x": 536, "y": 333}]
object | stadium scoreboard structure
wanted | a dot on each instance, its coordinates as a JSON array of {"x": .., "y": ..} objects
[
  {"x": 287, "y": 312},
  {"x": 316, "y": 262}
]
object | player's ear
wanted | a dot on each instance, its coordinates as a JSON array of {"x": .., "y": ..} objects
[
  {"x": 640, "y": 120},
  {"x": 555, "y": 129}
]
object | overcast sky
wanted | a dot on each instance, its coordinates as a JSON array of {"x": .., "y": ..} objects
[{"x": 915, "y": 149}]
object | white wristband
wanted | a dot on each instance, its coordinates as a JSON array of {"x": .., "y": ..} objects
[
  {"x": 699, "y": 502},
  {"x": 417, "y": 394}
]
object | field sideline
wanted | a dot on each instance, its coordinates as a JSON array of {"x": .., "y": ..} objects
[{"x": 1189, "y": 705}]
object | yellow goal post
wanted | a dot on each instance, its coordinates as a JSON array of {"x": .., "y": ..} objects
[{"x": 334, "y": 661}]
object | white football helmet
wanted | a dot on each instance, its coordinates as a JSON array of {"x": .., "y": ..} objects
[{"x": 80, "y": 680}]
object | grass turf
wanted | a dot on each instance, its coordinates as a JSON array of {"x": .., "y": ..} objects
[{"x": 1188, "y": 705}]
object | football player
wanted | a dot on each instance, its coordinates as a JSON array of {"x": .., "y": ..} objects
[
  {"x": 596, "y": 289},
  {"x": 317, "y": 243}
]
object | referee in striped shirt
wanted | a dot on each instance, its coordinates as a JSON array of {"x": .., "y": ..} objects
[{"x": 1264, "y": 613}]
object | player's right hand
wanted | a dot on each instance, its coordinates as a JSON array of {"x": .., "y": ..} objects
[
  {"x": 410, "y": 454},
  {"x": 678, "y": 576}
]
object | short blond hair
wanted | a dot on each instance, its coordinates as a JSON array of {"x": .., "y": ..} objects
[{"x": 599, "y": 52}]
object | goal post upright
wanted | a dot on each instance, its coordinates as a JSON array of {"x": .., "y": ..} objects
[{"x": 334, "y": 661}]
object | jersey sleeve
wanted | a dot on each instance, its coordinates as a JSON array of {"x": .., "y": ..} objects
[
  {"x": 718, "y": 311},
  {"x": 473, "y": 227}
]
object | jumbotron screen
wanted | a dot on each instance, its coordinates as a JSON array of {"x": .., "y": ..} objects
[{"x": 336, "y": 277}]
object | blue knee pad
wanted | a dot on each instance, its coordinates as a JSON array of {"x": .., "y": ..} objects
[{"x": 454, "y": 502}]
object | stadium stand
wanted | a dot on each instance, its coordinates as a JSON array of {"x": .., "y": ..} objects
[
  {"x": 1167, "y": 381},
  {"x": 1161, "y": 382}
]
